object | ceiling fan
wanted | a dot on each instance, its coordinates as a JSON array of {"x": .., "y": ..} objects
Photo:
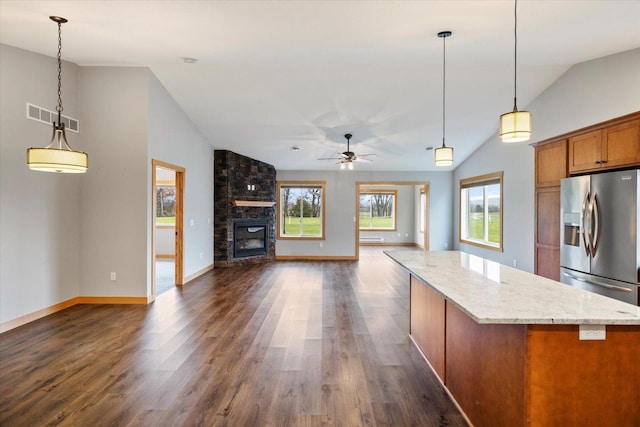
[{"x": 347, "y": 158}]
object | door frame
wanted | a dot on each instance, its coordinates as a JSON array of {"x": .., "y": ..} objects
[
  {"x": 426, "y": 187},
  {"x": 179, "y": 228}
]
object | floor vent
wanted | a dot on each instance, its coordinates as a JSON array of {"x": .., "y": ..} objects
[{"x": 47, "y": 117}]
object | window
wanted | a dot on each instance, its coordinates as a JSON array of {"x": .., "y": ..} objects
[
  {"x": 481, "y": 211},
  {"x": 378, "y": 210},
  {"x": 301, "y": 210},
  {"x": 165, "y": 205}
]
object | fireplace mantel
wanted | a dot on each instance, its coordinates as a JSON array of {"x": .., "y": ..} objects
[{"x": 252, "y": 203}]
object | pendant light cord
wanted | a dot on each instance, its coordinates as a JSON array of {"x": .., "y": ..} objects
[
  {"x": 515, "y": 56},
  {"x": 444, "y": 59},
  {"x": 59, "y": 107}
]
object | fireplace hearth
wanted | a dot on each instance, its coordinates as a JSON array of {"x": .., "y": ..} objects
[{"x": 250, "y": 237}]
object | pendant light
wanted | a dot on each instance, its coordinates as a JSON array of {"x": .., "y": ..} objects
[
  {"x": 58, "y": 155},
  {"x": 516, "y": 125},
  {"x": 444, "y": 154}
]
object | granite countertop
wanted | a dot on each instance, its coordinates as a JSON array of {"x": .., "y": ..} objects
[{"x": 489, "y": 292}]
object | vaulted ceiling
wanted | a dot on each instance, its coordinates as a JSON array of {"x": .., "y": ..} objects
[{"x": 271, "y": 75}]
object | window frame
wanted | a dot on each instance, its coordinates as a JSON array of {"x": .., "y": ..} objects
[
  {"x": 279, "y": 213},
  {"x": 391, "y": 191},
  {"x": 474, "y": 182}
]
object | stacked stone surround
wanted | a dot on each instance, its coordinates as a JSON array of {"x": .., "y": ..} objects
[{"x": 232, "y": 174}]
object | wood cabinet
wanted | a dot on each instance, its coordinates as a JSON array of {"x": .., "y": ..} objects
[
  {"x": 551, "y": 163},
  {"x": 551, "y": 167},
  {"x": 610, "y": 147},
  {"x": 614, "y": 144}
]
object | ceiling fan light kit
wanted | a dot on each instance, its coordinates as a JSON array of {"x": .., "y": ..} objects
[
  {"x": 515, "y": 126},
  {"x": 58, "y": 156},
  {"x": 347, "y": 158},
  {"x": 443, "y": 156}
]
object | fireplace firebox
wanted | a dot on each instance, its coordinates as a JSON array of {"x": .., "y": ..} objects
[{"x": 250, "y": 237}]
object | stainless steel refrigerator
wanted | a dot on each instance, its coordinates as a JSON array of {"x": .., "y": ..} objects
[{"x": 599, "y": 241}]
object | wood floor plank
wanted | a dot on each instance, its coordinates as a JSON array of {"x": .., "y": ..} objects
[{"x": 278, "y": 344}]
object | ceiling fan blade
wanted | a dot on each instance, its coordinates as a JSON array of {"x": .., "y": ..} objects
[
  {"x": 366, "y": 155},
  {"x": 330, "y": 158},
  {"x": 361, "y": 159}
]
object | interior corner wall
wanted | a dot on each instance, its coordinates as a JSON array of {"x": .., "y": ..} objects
[
  {"x": 340, "y": 209},
  {"x": 113, "y": 193},
  {"x": 588, "y": 93},
  {"x": 39, "y": 212},
  {"x": 174, "y": 139}
]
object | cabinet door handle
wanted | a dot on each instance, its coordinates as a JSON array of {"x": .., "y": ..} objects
[{"x": 598, "y": 162}]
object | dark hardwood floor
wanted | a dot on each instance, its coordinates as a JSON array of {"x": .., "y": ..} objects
[{"x": 279, "y": 344}]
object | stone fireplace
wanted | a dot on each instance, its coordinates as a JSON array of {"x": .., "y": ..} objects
[{"x": 244, "y": 210}]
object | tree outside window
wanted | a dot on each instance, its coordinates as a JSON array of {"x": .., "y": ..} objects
[
  {"x": 301, "y": 210},
  {"x": 377, "y": 210},
  {"x": 165, "y": 205}
]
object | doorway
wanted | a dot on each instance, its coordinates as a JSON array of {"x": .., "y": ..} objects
[
  {"x": 167, "y": 227},
  {"x": 372, "y": 192}
]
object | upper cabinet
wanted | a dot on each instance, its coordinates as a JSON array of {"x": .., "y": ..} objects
[
  {"x": 551, "y": 163},
  {"x": 610, "y": 147}
]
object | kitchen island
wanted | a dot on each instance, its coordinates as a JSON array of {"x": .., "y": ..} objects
[{"x": 516, "y": 349}]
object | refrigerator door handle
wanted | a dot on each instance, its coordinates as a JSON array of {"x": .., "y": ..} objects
[
  {"x": 595, "y": 218},
  {"x": 591, "y": 282},
  {"x": 585, "y": 221}
]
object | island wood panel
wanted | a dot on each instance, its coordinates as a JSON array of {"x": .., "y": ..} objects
[
  {"x": 427, "y": 324},
  {"x": 485, "y": 369},
  {"x": 583, "y": 383}
]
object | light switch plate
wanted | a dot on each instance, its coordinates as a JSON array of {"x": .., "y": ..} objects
[{"x": 593, "y": 332}]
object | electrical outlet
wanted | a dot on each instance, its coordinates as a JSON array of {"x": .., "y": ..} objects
[
  {"x": 113, "y": 276},
  {"x": 191, "y": 222},
  {"x": 446, "y": 245},
  {"x": 515, "y": 262},
  {"x": 201, "y": 255},
  {"x": 320, "y": 244},
  {"x": 592, "y": 332}
]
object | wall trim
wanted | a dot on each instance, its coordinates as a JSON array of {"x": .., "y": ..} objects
[
  {"x": 39, "y": 314},
  {"x": 198, "y": 273},
  {"x": 315, "y": 258}
]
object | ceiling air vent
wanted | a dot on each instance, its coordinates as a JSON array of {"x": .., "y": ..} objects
[{"x": 47, "y": 117}]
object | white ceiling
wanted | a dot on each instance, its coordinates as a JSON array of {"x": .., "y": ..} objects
[{"x": 274, "y": 74}]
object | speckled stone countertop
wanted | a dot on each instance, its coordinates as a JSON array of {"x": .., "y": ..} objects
[{"x": 489, "y": 292}]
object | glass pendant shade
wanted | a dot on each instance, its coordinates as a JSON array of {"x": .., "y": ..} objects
[
  {"x": 444, "y": 156},
  {"x": 58, "y": 156},
  {"x": 515, "y": 126},
  {"x": 58, "y": 159}
]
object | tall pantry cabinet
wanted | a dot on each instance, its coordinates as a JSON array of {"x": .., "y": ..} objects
[{"x": 614, "y": 144}]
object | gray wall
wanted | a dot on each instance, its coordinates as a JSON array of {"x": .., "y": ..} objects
[
  {"x": 340, "y": 209},
  {"x": 587, "y": 93},
  {"x": 174, "y": 139},
  {"x": 113, "y": 202},
  {"x": 39, "y": 212},
  {"x": 63, "y": 234}
]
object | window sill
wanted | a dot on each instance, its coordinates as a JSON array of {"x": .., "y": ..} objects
[{"x": 481, "y": 244}]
